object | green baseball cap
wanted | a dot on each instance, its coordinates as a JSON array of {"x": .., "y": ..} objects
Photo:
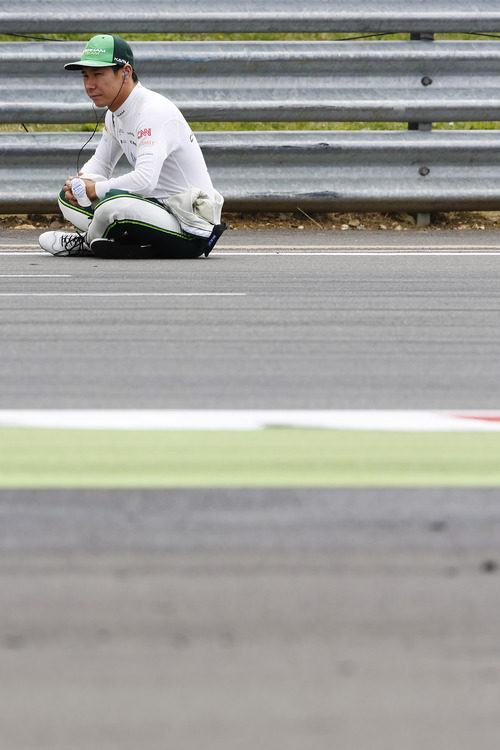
[{"x": 103, "y": 50}]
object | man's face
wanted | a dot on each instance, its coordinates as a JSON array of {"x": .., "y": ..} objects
[{"x": 102, "y": 84}]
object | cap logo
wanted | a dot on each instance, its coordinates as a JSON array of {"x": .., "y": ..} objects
[{"x": 95, "y": 51}]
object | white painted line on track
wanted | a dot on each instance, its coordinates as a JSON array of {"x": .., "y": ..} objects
[
  {"x": 354, "y": 247},
  {"x": 22, "y": 252},
  {"x": 365, "y": 253},
  {"x": 36, "y": 275},
  {"x": 22, "y": 246},
  {"x": 242, "y": 420},
  {"x": 123, "y": 294}
]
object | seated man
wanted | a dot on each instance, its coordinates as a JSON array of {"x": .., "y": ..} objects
[{"x": 166, "y": 205}]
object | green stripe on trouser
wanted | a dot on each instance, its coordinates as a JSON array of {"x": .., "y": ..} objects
[
  {"x": 77, "y": 215},
  {"x": 133, "y": 220}
]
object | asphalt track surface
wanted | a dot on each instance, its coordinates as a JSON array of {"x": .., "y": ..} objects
[
  {"x": 297, "y": 619},
  {"x": 273, "y": 330}
]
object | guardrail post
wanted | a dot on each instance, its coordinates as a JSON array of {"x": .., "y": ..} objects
[{"x": 423, "y": 220}]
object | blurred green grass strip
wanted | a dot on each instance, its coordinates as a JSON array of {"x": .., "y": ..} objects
[{"x": 266, "y": 458}]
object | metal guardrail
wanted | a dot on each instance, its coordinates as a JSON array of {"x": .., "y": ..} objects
[
  {"x": 419, "y": 81},
  {"x": 333, "y": 171},
  {"x": 115, "y": 16},
  {"x": 266, "y": 81}
]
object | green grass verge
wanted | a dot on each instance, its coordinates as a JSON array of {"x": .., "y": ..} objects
[
  {"x": 265, "y": 126},
  {"x": 272, "y": 458}
]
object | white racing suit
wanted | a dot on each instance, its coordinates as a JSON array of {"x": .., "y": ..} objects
[{"x": 167, "y": 199}]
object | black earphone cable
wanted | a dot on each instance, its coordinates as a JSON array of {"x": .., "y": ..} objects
[{"x": 97, "y": 123}]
